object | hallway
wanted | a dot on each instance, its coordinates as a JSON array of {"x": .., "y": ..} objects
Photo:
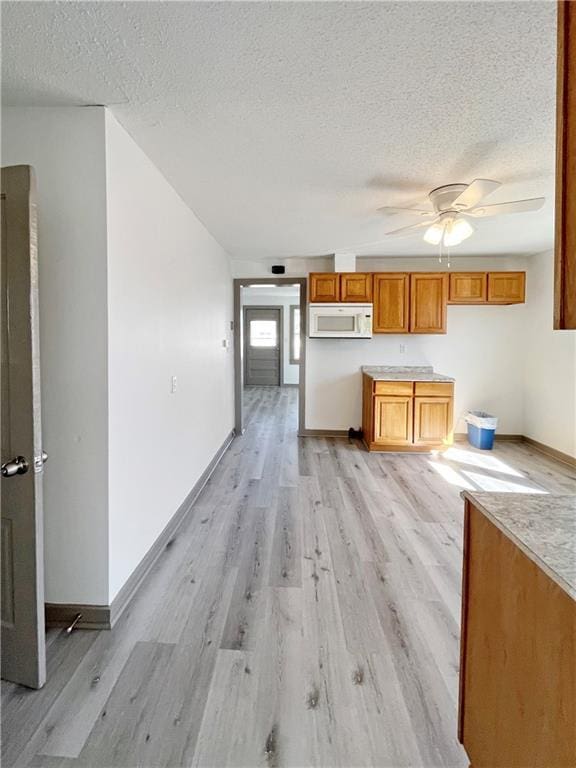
[{"x": 307, "y": 614}]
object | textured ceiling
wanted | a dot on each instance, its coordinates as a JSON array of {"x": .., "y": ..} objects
[{"x": 285, "y": 125}]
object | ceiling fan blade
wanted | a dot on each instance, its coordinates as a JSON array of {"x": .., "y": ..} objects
[
  {"x": 387, "y": 209},
  {"x": 514, "y": 206},
  {"x": 410, "y": 229},
  {"x": 474, "y": 192}
]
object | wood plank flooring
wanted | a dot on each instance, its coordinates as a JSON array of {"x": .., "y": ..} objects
[{"x": 307, "y": 614}]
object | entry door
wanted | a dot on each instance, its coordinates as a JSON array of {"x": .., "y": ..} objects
[
  {"x": 263, "y": 346},
  {"x": 23, "y": 649}
]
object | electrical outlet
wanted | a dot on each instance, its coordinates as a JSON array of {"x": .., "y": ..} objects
[
  {"x": 402, "y": 349},
  {"x": 173, "y": 384}
]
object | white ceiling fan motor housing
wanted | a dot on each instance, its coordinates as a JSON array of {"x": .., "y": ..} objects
[{"x": 442, "y": 198}]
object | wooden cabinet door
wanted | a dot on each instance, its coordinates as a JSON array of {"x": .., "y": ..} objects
[
  {"x": 432, "y": 420},
  {"x": 467, "y": 288},
  {"x": 506, "y": 287},
  {"x": 324, "y": 286},
  {"x": 356, "y": 286},
  {"x": 391, "y": 305},
  {"x": 428, "y": 300},
  {"x": 393, "y": 417}
]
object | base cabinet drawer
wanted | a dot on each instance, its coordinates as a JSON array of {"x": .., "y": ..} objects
[
  {"x": 393, "y": 387},
  {"x": 434, "y": 388}
]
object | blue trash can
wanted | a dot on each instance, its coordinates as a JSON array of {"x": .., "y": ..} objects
[{"x": 481, "y": 429}]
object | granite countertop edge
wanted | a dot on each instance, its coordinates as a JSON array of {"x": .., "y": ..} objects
[
  {"x": 481, "y": 500},
  {"x": 404, "y": 373}
]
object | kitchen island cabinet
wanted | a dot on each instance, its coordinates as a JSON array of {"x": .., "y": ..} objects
[{"x": 517, "y": 704}]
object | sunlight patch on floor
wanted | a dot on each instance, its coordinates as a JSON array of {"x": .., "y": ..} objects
[
  {"x": 451, "y": 476},
  {"x": 462, "y": 456},
  {"x": 487, "y": 483}
]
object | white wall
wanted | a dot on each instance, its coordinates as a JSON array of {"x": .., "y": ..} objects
[
  {"x": 170, "y": 307},
  {"x": 483, "y": 351},
  {"x": 133, "y": 291},
  {"x": 550, "y": 364},
  {"x": 280, "y": 297},
  {"x": 66, "y": 148}
]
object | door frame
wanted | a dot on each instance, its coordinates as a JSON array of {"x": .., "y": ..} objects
[
  {"x": 280, "y": 309},
  {"x": 244, "y": 282}
]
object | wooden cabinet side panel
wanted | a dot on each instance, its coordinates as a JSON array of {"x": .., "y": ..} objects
[
  {"x": 367, "y": 409},
  {"x": 391, "y": 302},
  {"x": 356, "y": 286},
  {"x": 565, "y": 213},
  {"x": 324, "y": 286},
  {"x": 463, "y": 623},
  {"x": 518, "y": 702},
  {"x": 428, "y": 302}
]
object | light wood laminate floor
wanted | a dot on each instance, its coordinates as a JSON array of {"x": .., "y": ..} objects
[{"x": 307, "y": 614}]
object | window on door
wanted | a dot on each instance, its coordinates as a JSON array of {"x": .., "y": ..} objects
[
  {"x": 263, "y": 333},
  {"x": 294, "y": 334}
]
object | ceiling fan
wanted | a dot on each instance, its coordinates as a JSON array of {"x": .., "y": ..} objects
[{"x": 454, "y": 206}]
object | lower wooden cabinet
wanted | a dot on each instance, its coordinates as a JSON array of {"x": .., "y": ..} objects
[
  {"x": 406, "y": 415},
  {"x": 432, "y": 420},
  {"x": 393, "y": 419},
  {"x": 517, "y": 656}
]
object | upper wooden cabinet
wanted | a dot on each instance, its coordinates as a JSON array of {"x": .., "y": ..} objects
[
  {"x": 415, "y": 302},
  {"x": 428, "y": 299},
  {"x": 356, "y": 286},
  {"x": 506, "y": 287},
  {"x": 565, "y": 236},
  {"x": 324, "y": 286},
  {"x": 467, "y": 288},
  {"x": 391, "y": 302}
]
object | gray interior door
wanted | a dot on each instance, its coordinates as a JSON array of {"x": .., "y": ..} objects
[
  {"x": 263, "y": 346},
  {"x": 23, "y": 639}
]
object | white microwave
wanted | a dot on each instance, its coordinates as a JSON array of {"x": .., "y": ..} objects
[{"x": 340, "y": 321}]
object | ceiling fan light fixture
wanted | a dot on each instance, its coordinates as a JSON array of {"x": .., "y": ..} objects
[
  {"x": 457, "y": 230},
  {"x": 434, "y": 233}
]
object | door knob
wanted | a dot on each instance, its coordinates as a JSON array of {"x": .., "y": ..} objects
[{"x": 18, "y": 466}]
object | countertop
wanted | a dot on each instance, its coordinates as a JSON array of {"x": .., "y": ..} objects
[
  {"x": 403, "y": 373},
  {"x": 543, "y": 526}
]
